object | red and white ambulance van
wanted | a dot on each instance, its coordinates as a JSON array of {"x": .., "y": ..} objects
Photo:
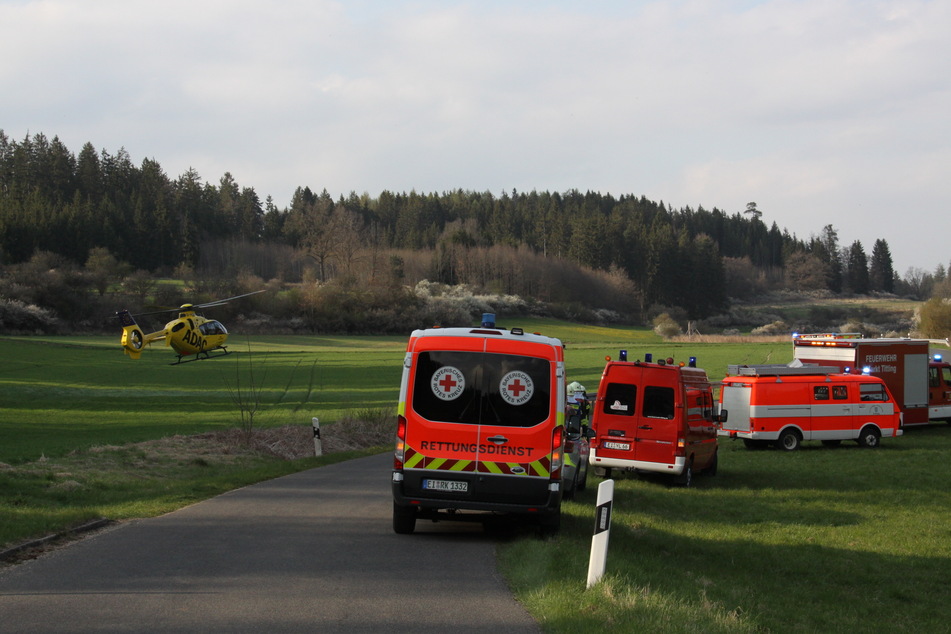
[
  {"x": 481, "y": 427},
  {"x": 786, "y": 405},
  {"x": 654, "y": 418}
]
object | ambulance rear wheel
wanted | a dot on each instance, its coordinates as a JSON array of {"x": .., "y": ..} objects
[
  {"x": 789, "y": 440},
  {"x": 870, "y": 437},
  {"x": 550, "y": 523},
  {"x": 583, "y": 479},
  {"x": 404, "y": 519}
]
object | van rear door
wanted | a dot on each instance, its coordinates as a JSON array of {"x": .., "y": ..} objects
[{"x": 636, "y": 421}]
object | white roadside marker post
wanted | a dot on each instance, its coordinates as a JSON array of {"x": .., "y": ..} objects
[
  {"x": 602, "y": 531},
  {"x": 318, "y": 446}
]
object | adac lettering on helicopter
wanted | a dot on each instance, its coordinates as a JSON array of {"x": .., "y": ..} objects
[{"x": 192, "y": 338}]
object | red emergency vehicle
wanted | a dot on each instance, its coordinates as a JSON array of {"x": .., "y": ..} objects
[
  {"x": 921, "y": 384},
  {"x": 480, "y": 427},
  {"x": 786, "y": 405},
  {"x": 655, "y": 418}
]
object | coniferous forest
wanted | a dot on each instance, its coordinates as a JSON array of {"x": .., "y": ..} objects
[{"x": 80, "y": 232}]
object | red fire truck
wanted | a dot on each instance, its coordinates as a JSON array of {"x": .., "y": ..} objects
[{"x": 920, "y": 383}]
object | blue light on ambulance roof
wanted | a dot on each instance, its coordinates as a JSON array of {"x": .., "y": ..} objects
[
  {"x": 866, "y": 370},
  {"x": 938, "y": 356},
  {"x": 488, "y": 320}
]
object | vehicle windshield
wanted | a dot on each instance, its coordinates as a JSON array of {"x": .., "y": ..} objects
[{"x": 482, "y": 388}]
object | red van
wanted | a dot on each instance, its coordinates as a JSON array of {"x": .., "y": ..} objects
[{"x": 655, "y": 418}]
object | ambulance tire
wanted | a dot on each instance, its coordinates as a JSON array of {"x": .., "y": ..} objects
[
  {"x": 571, "y": 487},
  {"x": 550, "y": 523},
  {"x": 869, "y": 437},
  {"x": 789, "y": 440},
  {"x": 404, "y": 519},
  {"x": 583, "y": 481}
]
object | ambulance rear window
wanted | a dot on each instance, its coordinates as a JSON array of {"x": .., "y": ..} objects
[{"x": 482, "y": 388}]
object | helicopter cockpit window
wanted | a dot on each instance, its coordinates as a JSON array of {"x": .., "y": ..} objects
[
  {"x": 178, "y": 326},
  {"x": 212, "y": 328}
]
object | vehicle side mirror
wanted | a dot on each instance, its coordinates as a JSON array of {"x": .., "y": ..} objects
[
  {"x": 721, "y": 417},
  {"x": 588, "y": 432}
]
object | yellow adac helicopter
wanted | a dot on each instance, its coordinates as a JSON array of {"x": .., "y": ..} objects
[{"x": 191, "y": 333}]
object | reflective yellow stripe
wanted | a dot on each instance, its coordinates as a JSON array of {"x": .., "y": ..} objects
[
  {"x": 491, "y": 466},
  {"x": 459, "y": 466},
  {"x": 540, "y": 469},
  {"x": 435, "y": 463},
  {"x": 415, "y": 460},
  {"x": 401, "y": 408}
]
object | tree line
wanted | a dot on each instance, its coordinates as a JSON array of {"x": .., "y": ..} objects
[{"x": 624, "y": 253}]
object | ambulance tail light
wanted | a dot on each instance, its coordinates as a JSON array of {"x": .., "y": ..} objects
[
  {"x": 557, "y": 455},
  {"x": 400, "y": 452}
]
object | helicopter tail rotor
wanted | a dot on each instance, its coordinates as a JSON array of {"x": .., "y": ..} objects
[{"x": 133, "y": 339}]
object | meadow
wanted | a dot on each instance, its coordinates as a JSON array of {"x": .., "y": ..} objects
[{"x": 820, "y": 539}]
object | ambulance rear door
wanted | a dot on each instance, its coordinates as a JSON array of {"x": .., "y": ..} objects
[{"x": 482, "y": 410}]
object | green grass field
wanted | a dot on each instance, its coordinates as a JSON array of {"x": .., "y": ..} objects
[{"x": 817, "y": 540}]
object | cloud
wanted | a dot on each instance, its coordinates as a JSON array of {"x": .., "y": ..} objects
[{"x": 820, "y": 110}]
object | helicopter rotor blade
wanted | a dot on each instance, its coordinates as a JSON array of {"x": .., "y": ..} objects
[{"x": 219, "y": 302}]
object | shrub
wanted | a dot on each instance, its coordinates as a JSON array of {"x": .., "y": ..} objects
[
  {"x": 666, "y": 327},
  {"x": 775, "y": 328},
  {"x": 16, "y": 317}
]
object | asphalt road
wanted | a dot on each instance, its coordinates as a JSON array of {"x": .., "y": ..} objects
[{"x": 309, "y": 552}]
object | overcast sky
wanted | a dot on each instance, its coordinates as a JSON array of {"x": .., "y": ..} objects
[{"x": 820, "y": 111}]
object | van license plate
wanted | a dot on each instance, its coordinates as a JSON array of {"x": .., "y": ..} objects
[
  {"x": 446, "y": 485},
  {"x": 621, "y": 446}
]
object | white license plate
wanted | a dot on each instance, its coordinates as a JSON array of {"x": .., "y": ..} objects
[
  {"x": 621, "y": 446},
  {"x": 446, "y": 485}
]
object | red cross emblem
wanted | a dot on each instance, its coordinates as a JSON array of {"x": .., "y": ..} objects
[{"x": 447, "y": 383}]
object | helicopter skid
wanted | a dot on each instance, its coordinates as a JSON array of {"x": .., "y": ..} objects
[{"x": 207, "y": 354}]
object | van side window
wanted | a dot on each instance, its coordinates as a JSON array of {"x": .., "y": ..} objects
[
  {"x": 707, "y": 406},
  {"x": 619, "y": 399},
  {"x": 821, "y": 392},
  {"x": 658, "y": 402},
  {"x": 840, "y": 393},
  {"x": 933, "y": 380},
  {"x": 872, "y": 392}
]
